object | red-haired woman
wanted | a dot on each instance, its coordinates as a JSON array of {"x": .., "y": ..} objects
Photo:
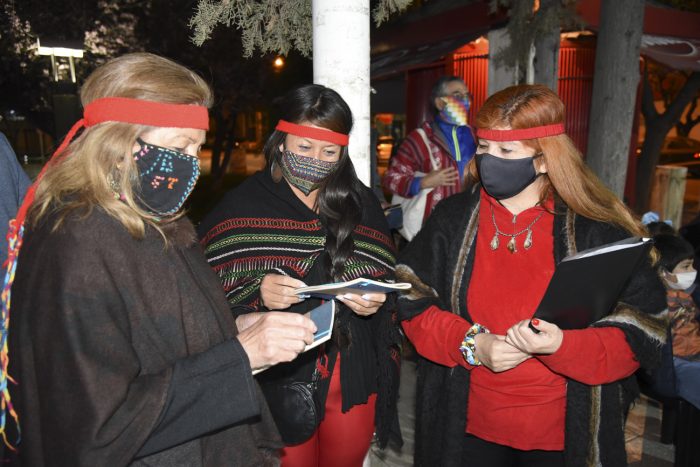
[{"x": 491, "y": 391}]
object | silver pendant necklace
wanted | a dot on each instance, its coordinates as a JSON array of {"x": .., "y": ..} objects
[{"x": 511, "y": 243}]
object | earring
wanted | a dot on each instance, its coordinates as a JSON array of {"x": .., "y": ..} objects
[{"x": 114, "y": 186}]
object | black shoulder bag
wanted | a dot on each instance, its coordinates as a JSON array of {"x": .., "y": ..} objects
[{"x": 295, "y": 406}]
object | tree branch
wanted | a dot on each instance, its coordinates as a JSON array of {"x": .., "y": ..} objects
[
  {"x": 685, "y": 95},
  {"x": 648, "y": 109}
]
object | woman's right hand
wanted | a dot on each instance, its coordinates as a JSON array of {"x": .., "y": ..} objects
[
  {"x": 277, "y": 291},
  {"x": 496, "y": 354},
  {"x": 276, "y": 337}
]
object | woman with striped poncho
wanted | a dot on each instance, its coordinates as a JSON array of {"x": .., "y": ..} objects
[{"x": 306, "y": 220}]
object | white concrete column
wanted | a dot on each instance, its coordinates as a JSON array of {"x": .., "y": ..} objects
[{"x": 341, "y": 62}]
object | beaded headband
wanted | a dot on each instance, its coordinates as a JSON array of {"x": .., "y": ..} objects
[
  {"x": 106, "y": 109},
  {"x": 305, "y": 131},
  {"x": 521, "y": 133}
]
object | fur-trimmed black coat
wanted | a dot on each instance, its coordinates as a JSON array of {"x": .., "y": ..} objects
[
  {"x": 439, "y": 261},
  {"x": 124, "y": 351}
]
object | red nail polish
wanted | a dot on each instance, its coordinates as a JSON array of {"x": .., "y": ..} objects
[{"x": 535, "y": 322}]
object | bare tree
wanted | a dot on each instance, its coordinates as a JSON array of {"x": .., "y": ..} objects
[
  {"x": 537, "y": 28},
  {"x": 657, "y": 127},
  {"x": 615, "y": 83},
  {"x": 687, "y": 122}
]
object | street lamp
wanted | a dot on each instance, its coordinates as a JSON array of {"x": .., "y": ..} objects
[
  {"x": 53, "y": 49},
  {"x": 278, "y": 63},
  {"x": 66, "y": 105}
]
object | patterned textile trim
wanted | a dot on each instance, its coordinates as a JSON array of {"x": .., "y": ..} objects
[
  {"x": 382, "y": 252},
  {"x": 362, "y": 269},
  {"x": 654, "y": 326},
  {"x": 242, "y": 293},
  {"x": 375, "y": 235},
  {"x": 259, "y": 265},
  {"x": 280, "y": 250},
  {"x": 261, "y": 223},
  {"x": 242, "y": 250},
  {"x": 419, "y": 289},
  {"x": 464, "y": 250},
  {"x": 593, "y": 459},
  {"x": 265, "y": 238}
]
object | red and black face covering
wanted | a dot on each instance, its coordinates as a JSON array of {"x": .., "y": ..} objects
[
  {"x": 303, "y": 172},
  {"x": 505, "y": 178}
]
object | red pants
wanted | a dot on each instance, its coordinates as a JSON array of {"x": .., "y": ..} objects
[{"x": 342, "y": 439}]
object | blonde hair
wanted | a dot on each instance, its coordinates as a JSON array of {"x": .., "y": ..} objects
[
  {"x": 568, "y": 176},
  {"x": 99, "y": 161}
]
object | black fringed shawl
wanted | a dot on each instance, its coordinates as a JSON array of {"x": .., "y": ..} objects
[
  {"x": 439, "y": 261},
  {"x": 261, "y": 227}
]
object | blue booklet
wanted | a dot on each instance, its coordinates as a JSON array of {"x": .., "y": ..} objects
[
  {"x": 323, "y": 317},
  {"x": 357, "y": 286}
]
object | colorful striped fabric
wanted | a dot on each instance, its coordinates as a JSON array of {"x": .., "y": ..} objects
[{"x": 242, "y": 250}]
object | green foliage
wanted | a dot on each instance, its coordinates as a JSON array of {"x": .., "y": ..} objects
[
  {"x": 267, "y": 25},
  {"x": 270, "y": 26},
  {"x": 105, "y": 27},
  {"x": 385, "y": 8},
  {"x": 24, "y": 77}
]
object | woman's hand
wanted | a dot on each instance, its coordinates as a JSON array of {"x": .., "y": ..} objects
[
  {"x": 277, "y": 291},
  {"x": 245, "y": 321},
  {"x": 276, "y": 337},
  {"x": 546, "y": 342},
  {"x": 363, "y": 305},
  {"x": 496, "y": 354}
]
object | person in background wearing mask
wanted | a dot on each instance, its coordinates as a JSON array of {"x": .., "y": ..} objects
[
  {"x": 676, "y": 270},
  {"x": 491, "y": 391},
  {"x": 307, "y": 220},
  {"x": 435, "y": 154}
]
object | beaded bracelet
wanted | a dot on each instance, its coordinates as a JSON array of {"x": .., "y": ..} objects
[{"x": 468, "y": 345}]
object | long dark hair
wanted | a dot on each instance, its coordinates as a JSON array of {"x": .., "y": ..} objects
[{"x": 338, "y": 201}]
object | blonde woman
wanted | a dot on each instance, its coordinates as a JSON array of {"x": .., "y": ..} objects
[
  {"x": 121, "y": 339},
  {"x": 491, "y": 391}
]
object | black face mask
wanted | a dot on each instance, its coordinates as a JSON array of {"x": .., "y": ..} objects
[{"x": 505, "y": 178}]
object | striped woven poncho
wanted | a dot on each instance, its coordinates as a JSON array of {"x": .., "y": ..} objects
[{"x": 262, "y": 227}]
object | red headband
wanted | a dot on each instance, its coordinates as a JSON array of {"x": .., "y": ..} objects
[
  {"x": 141, "y": 112},
  {"x": 523, "y": 133},
  {"x": 121, "y": 109},
  {"x": 313, "y": 132}
]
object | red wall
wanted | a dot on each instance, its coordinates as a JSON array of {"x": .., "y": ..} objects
[{"x": 419, "y": 83}]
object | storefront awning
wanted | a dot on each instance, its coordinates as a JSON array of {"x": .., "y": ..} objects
[{"x": 674, "y": 52}]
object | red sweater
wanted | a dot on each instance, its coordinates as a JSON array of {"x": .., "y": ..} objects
[{"x": 523, "y": 407}]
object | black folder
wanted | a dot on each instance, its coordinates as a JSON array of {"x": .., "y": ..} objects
[{"x": 586, "y": 286}]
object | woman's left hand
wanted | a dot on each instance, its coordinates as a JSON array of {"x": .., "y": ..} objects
[
  {"x": 546, "y": 342},
  {"x": 363, "y": 305}
]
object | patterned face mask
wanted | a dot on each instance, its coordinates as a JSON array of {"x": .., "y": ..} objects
[
  {"x": 455, "y": 111},
  {"x": 167, "y": 178},
  {"x": 305, "y": 173}
]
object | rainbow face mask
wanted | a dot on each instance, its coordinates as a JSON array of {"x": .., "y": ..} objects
[{"x": 455, "y": 111}]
